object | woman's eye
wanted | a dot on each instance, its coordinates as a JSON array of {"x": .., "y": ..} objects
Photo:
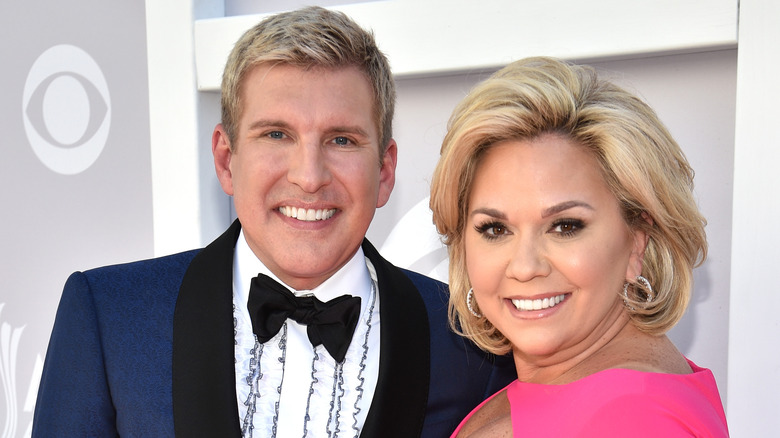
[
  {"x": 496, "y": 230},
  {"x": 492, "y": 230},
  {"x": 567, "y": 227}
]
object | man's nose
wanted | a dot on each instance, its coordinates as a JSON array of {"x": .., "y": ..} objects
[{"x": 307, "y": 167}]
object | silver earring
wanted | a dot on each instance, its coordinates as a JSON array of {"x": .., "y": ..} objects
[
  {"x": 648, "y": 289},
  {"x": 469, "y": 296}
]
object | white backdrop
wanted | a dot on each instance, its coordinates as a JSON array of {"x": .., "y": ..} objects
[
  {"x": 620, "y": 30},
  {"x": 742, "y": 324},
  {"x": 694, "y": 94},
  {"x": 155, "y": 172}
]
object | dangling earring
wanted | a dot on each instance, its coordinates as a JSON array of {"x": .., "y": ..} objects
[
  {"x": 469, "y": 296},
  {"x": 648, "y": 289}
]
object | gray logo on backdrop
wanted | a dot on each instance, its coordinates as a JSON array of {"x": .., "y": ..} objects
[
  {"x": 66, "y": 109},
  {"x": 9, "y": 360}
]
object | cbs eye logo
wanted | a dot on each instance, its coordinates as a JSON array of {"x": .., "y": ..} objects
[{"x": 66, "y": 109}]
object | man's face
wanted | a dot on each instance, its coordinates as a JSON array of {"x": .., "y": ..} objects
[{"x": 305, "y": 172}]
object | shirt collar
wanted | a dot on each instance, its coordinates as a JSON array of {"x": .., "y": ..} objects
[{"x": 353, "y": 278}]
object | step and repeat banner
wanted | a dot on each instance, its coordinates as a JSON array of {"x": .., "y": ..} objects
[{"x": 75, "y": 168}]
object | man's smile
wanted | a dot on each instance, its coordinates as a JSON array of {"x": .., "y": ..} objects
[{"x": 307, "y": 214}]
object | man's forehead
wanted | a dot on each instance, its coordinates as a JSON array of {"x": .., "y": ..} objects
[{"x": 256, "y": 81}]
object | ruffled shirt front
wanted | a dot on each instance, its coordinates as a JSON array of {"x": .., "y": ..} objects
[
  {"x": 618, "y": 403},
  {"x": 286, "y": 387}
]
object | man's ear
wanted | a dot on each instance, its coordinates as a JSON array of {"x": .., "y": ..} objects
[
  {"x": 220, "y": 148},
  {"x": 387, "y": 173}
]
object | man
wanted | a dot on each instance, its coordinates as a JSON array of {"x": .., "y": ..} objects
[{"x": 205, "y": 343}]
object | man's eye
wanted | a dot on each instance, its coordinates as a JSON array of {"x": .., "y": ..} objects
[
  {"x": 277, "y": 135},
  {"x": 341, "y": 141}
]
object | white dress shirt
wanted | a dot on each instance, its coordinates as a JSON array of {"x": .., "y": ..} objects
[{"x": 308, "y": 377}]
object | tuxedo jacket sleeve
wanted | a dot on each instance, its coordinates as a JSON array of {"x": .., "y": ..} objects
[
  {"x": 108, "y": 366},
  {"x": 146, "y": 349}
]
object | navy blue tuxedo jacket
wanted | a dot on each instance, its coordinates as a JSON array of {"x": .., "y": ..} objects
[{"x": 146, "y": 349}]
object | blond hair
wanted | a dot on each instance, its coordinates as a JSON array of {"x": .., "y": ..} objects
[
  {"x": 311, "y": 37},
  {"x": 642, "y": 164}
]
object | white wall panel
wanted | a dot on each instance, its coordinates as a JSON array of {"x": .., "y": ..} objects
[
  {"x": 439, "y": 36},
  {"x": 437, "y": 47},
  {"x": 754, "y": 349}
]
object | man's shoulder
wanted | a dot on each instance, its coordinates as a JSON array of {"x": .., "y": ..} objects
[
  {"x": 434, "y": 294},
  {"x": 423, "y": 282},
  {"x": 169, "y": 266},
  {"x": 172, "y": 260}
]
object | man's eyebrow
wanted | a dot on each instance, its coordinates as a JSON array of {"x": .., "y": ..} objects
[
  {"x": 563, "y": 206},
  {"x": 351, "y": 129},
  {"x": 264, "y": 123}
]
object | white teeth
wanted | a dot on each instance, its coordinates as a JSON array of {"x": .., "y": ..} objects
[
  {"x": 538, "y": 304},
  {"x": 307, "y": 214}
]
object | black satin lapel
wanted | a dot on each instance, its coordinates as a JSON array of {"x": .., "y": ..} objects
[
  {"x": 204, "y": 384},
  {"x": 401, "y": 397}
]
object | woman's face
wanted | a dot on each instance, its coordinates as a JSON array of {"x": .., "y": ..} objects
[{"x": 547, "y": 248}]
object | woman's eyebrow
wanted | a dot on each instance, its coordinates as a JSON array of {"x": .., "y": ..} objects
[
  {"x": 563, "y": 206},
  {"x": 492, "y": 212}
]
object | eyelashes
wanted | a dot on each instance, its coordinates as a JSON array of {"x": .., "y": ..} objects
[
  {"x": 339, "y": 140},
  {"x": 491, "y": 230},
  {"x": 567, "y": 227},
  {"x": 564, "y": 228}
]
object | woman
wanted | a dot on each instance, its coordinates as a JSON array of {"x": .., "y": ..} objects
[{"x": 572, "y": 232}]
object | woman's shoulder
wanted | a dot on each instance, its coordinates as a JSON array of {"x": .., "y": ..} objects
[
  {"x": 623, "y": 402},
  {"x": 641, "y": 385},
  {"x": 639, "y": 352},
  {"x": 659, "y": 401},
  {"x": 491, "y": 419}
]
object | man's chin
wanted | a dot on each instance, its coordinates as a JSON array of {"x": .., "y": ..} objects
[{"x": 302, "y": 274}]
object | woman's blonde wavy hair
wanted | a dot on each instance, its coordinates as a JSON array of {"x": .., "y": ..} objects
[{"x": 644, "y": 167}]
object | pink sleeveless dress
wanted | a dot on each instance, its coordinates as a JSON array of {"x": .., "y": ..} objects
[{"x": 618, "y": 403}]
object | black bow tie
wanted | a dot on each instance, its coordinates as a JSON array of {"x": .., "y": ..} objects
[{"x": 330, "y": 324}]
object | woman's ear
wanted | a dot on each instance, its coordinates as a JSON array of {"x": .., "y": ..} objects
[{"x": 640, "y": 241}]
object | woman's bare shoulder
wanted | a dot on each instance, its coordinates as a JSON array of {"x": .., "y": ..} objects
[
  {"x": 647, "y": 353},
  {"x": 493, "y": 419}
]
